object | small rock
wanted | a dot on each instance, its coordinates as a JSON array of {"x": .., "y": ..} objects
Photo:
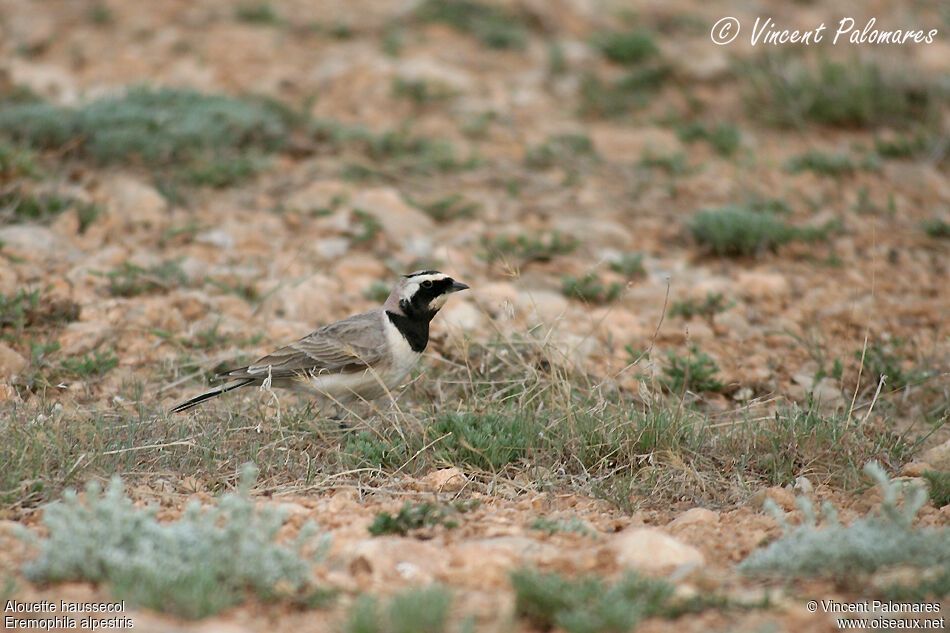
[
  {"x": 331, "y": 248},
  {"x": 782, "y": 496},
  {"x": 757, "y": 285},
  {"x": 445, "y": 480},
  {"x": 35, "y": 244},
  {"x": 650, "y": 550},
  {"x": 938, "y": 456},
  {"x": 695, "y": 516},
  {"x": 915, "y": 469},
  {"x": 317, "y": 197},
  {"x": 135, "y": 201},
  {"x": 628, "y": 144},
  {"x": 11, "y": 362},
  {"x": 400, "y": 221},
  {"x": 462, "y": 315},
  {"x": 221, "y": 238},
  {"x": 544, "y": 305}
]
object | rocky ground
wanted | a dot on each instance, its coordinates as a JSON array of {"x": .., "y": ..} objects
[{"x": 539, "y": 154}]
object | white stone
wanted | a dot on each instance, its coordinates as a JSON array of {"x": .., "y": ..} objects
[
  {"x": 11, "y": 362},
  {"x": 650, "y": 550},
  {"x": 399, "y": 221}
]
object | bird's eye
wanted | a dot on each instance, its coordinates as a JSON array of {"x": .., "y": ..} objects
[{"x": 426, "y": 284}]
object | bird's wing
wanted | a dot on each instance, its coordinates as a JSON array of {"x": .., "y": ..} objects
[{"x": 346, "y": 346}]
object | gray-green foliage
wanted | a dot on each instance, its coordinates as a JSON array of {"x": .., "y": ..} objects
[
  {"x": 870, "y": 543},
  {"x": 205, "y": 136},
  {"x": 734, "y": 231},
  {"x": 194, "y": 566},
  {"x": 591, "y": 605},
  {"x": 423, "y": 610}
]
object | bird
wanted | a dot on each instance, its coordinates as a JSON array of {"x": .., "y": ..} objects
[{"x": 360, "y": 357}]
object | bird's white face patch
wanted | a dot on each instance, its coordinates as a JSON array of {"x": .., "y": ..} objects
[{"x": 413, "y": 286}]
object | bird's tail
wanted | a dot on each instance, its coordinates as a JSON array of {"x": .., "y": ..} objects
[{"x": 212, "y": 393}]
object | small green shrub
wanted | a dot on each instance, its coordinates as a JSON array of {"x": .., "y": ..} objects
[
  {"x": 736, "y": 231},
  {"x": 841, "y": 94},
  {"x": 629, "y": 265},
  {"x": 938, "y": 484},
  {"x": 614, "y": 99},
  {"x": 590, "y": 288},
  {"x": 450, "y": 207},
  {"x": 824, "y": 164},
  {"x": 542, "y": 248},
  {"x": 867, "y": 545},
  {"x": 257, "y": 13},
  {"x": 713, "y": 304},
  {"x": 422, "y": 610},
  {"x": 883, "y": 361},
  {"x": 591, "y": 605},
  {"x": 560, "y": 150},
  {"x": 204, "y": 136},
  {"x": 132, "y": 280},
  {"x": 695, "y": 372},
  {"x": 723, "y": 137},
  {"x": 937, "y": 228},
  {"x": 420, "y": 91},
  {"x": 410, "y": 517},
  {"x": 572, "y": 524},
  {"x": 626, "y": 47},
  {"x": 194, "y": 566},
  {"x": 492, "y": 26},
  {"x": 94, "y": 364}
]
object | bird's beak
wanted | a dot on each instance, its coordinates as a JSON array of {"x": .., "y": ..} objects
[{"x": 456, "y": 286}]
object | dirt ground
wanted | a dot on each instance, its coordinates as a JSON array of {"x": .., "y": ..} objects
[{"x": 876, "y": 279}]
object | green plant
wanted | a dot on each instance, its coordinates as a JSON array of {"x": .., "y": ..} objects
[
  {"x": 33, "y": 308},
  {"x": 723, "y": 137},
  {"x": 131, "y": 280},
  {"x": 713, "y": 304},
  {"x": 626, "y": 47},
  {"x": 824, "y": 163},
  {"x": 629, "y": 265},
  {"x": 734, "y": 231},
  {"x": 194, "y": 566},
  {"x": 100, "y": 14},
  {"x": 257, "y": 13},
  {"x": 369, "y": 227},
  {"x": 542, "y": 248},
  {"x": 695, "y": 372},
  {"x": 882, "y": 361},
  {"x": 590, "y": 288},
  {"x": 171, "y": 130},
  {"x": 572, "y": 524},
  {"x": 936, "y": 228},
  {"x": 673, "y": 164},
  {"x": 868, "y": 544},
  {"x": 841, "y": 94},
  {"x": 377, "y": 292},
  {"x": 450, "y": 207},
  {"x": 94, "y": 364},
  {"x": 613, "y": 99},
  {"x": 938, "y": 484},
  {"x": 422, "y": 610},
  {"x": 420, "y": 91},
  {"x": 492, "y": 26},
  {"x": 590, "y": 604},
  {"x": 560, "y": 149},
  {"x": 410, "y": 517}
]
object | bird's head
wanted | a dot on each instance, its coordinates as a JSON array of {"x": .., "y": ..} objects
[{"x": 422, "y": 294}]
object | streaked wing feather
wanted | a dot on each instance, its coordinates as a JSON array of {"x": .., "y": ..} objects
[{"x": 345, "y": 346}]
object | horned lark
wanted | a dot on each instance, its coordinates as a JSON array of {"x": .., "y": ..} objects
[{"x": 361, "y": 357}]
